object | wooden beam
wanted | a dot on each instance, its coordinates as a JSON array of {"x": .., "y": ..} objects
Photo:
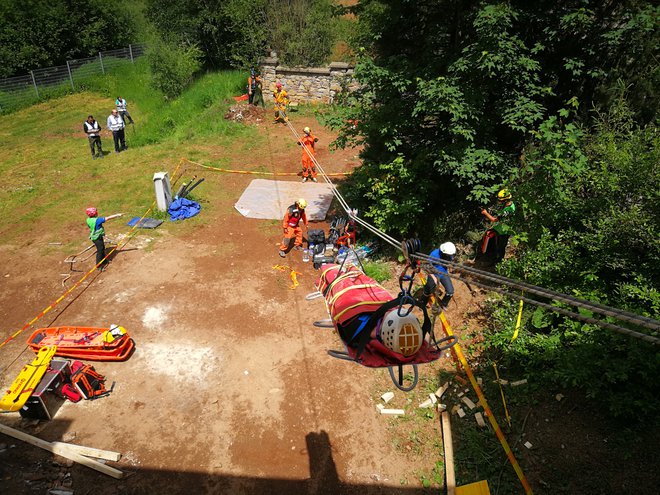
[
  {"x": 108, "y": 455},
  {"x": 61, "y": 450},
  {"x": 450, "y": 475}
]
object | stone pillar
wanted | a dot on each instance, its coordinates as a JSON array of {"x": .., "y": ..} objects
[{"x": 269, "y": 75}]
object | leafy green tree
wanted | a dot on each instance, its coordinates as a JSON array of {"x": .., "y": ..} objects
[
  {"x": 172, "y": 66},
  {"x": 34, "y": 35}
]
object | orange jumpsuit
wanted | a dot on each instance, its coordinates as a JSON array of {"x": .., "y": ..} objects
[
  {"x": 291, "y": 225},
  {"x": 308, "y": 167},
  {"x": 281, "y": 101}
]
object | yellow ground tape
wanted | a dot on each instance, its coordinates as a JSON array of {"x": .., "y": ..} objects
[
  {"x": 252, "y": 172},
  {"x": 294, "y": 274},
  {"x": 515, "y": 333},
  {"x": 124, "y": 241},
  {"x": 482, "y": 400}
]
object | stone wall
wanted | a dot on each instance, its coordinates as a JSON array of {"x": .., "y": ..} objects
[{"x": 303, "y": 84}]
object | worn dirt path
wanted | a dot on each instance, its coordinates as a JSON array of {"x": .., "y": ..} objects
[{"x": 230, "y": 389}]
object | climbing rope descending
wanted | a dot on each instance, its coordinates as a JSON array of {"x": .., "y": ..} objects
[{"x": 596, "y": 308}]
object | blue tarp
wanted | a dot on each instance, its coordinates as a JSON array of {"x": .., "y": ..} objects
[{"x": 183, "y": 208}]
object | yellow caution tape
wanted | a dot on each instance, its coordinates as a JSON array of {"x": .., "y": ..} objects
[
  {"x": 293, "y": 274},
  {"x": 491, "y": 417},
  {"x": 121, "y": 244},
  {"x": 252, "y": 172},
  {"x": 515, "y": 332}
]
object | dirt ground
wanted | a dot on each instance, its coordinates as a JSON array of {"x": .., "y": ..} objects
[{"x": 230, "y": 389}]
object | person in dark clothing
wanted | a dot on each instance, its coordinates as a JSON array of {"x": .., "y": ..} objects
[
  {"x": 97, "y": 233},
  {"x": 93, "y": 130},
  {"x": 446, "y": 252}
]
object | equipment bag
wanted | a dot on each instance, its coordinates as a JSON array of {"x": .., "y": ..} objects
[
  {"x": 316, "y": 236},
  {"x": 89, "y": 383},
  {"x": 69, "y": 392}
]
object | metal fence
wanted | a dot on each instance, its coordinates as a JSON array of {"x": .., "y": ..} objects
[{"x": 17, "y": 92}]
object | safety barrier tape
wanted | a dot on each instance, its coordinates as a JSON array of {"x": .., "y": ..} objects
[
  {"x": 253, "y": 172},
  {"x": 520, "y": 311},
  {"x": 48, "y": 308},
  {"x": 293, "y": 275},
  {"x": 482, "y": 400}
]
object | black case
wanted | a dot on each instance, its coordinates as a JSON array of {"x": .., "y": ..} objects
[
  {"x": 316, "y": 236},
  {"x": 46, "y": 399}
]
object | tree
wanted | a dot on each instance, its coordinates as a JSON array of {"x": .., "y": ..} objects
[
  {"x": 32, "y": 36},
  {"x": 453, "y": 91}
]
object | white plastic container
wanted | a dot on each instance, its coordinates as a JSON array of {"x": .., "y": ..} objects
[{"x": 305, "y": 255}]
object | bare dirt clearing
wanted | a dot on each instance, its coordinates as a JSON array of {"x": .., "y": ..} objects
[{"x": 230, "y": 389}]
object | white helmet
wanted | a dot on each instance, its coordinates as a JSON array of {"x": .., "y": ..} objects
[
  {"x": 448, "y": 248},
  {"x": 401, "y": 334},
  {"x": 307, "y": 131}
]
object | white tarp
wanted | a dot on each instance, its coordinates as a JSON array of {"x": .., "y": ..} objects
[{"x": 269, "y": 199}]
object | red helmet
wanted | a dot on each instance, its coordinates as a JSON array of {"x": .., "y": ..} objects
[
  {"x": 91, "y": 211},
  {"x": 278, "y": 85}
]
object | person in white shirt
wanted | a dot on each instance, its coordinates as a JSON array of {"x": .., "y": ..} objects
[
  {"x": 93, "y": 130},
  {"x": 123, "y": 111},
  {"x": 116, "y": 125}
]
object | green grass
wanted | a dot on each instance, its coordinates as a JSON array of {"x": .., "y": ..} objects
[{"x": 47, "y": 177}]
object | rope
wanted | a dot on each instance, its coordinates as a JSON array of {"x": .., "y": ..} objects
[
  {"x": 489, "y": 413},
  {"x": 598, "y": 308},
  {"x": 47, "y": 309},
  {"x": 619, "y": 314}
]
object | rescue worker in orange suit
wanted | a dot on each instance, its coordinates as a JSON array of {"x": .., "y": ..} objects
[
  {"x": 291, "y": 224},
  {"x": 308, "y": 166},
  {"x": 281, "y": 102}
]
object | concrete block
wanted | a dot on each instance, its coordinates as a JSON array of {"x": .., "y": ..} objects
[
  {"x": 469, "y": 403},
  {"x": 393, "y": 412}
]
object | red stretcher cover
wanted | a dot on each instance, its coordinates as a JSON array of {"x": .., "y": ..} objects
[{"x": 351, "y": 293}]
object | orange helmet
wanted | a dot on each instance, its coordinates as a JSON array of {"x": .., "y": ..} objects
[{"x": 91, "y": 211}]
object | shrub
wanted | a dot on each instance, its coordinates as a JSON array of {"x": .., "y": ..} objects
[{"x": 173, "y": 67}]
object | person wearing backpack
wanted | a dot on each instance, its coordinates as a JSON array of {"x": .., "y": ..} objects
[{"x": 97, "y": 233}]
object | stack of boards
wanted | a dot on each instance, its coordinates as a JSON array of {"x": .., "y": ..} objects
[{"x": 87, "y": 343}]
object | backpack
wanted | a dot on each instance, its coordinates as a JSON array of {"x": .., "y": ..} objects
[{"x": 89, "y": 383}]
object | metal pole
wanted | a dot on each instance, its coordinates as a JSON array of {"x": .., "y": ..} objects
[
  {"x": 35, "y": 84},
  {"x": 130, "y": 50},
  {"x": 70, "y": 76},
  {"x": 101, "y": 60}
]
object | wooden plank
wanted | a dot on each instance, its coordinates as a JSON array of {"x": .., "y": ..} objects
[
  {"x": 450, "y": 475},
  {"x": 60, "y": 450},
  {"x": 108, "y": 455}
]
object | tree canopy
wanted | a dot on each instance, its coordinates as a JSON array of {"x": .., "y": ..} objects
[{"x": 34, "y": 35}]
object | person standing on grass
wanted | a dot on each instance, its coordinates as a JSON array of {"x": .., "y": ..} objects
[
  {"x": 97, "y": 233},
  {"x": 116, "y": 125},
  {"x": 93, "y": 130},
  {"x": 121, "y": 105}
]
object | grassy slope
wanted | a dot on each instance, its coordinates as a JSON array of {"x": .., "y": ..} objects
[{"x": 47, "y": 176}]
